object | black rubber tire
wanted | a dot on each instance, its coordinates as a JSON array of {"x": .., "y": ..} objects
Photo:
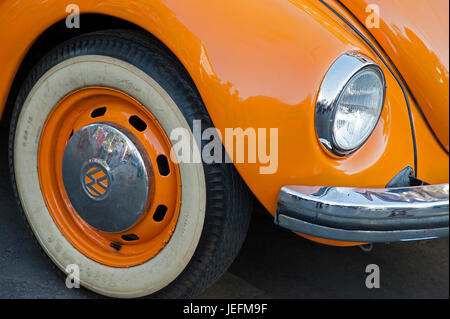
[{"x": 228, "y": 200}]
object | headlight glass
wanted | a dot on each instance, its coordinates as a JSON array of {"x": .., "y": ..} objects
[
  {"x": 349, "y": 103},
  {"x": 358, "y": 109}
]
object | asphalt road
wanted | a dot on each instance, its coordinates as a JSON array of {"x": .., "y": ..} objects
[{"x": 274, "y": 263}]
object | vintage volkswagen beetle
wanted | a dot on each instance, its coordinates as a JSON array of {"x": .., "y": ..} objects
[{"x": 357, "y": 95}]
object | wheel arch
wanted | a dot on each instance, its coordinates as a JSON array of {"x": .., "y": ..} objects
[{"x": 54, "y": 35}]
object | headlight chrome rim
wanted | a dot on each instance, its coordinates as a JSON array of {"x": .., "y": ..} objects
[{"x": 336, "y": 80}]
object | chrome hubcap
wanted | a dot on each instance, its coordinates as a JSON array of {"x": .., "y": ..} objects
[{"x": 106, "y": 176}]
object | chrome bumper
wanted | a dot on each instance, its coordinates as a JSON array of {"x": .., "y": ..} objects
[{"x": 365, "y": 214}]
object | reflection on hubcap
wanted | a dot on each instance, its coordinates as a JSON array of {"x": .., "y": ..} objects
[{"x": 106, "y": 177}]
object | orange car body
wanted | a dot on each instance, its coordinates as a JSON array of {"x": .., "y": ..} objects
[{"x": 260, "y": 63}]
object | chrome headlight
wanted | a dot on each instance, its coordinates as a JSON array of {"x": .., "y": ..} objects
[{"x": 349, "y": 103}]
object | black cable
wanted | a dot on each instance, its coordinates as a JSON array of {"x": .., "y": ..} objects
[
  {"x": 362, "y": 36},
  {"x": 422, "y": 114}
]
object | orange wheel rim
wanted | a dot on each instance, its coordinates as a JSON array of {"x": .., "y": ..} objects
[{"x": 150, "y": 234}]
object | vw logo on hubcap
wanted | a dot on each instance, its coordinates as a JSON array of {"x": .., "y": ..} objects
[{"x": 95, "y": 180}]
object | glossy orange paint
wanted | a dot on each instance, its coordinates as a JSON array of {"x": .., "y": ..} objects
[
  {"x": 430, "y": 168},
  {"x": 415, "y": 36},
  {"x": 432, "y": 159},
  {"x": 256, "y": 63},
  {"x": 74, "y": 112}
]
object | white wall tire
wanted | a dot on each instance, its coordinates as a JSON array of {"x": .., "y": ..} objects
[{"x": 61, "y": 73}]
